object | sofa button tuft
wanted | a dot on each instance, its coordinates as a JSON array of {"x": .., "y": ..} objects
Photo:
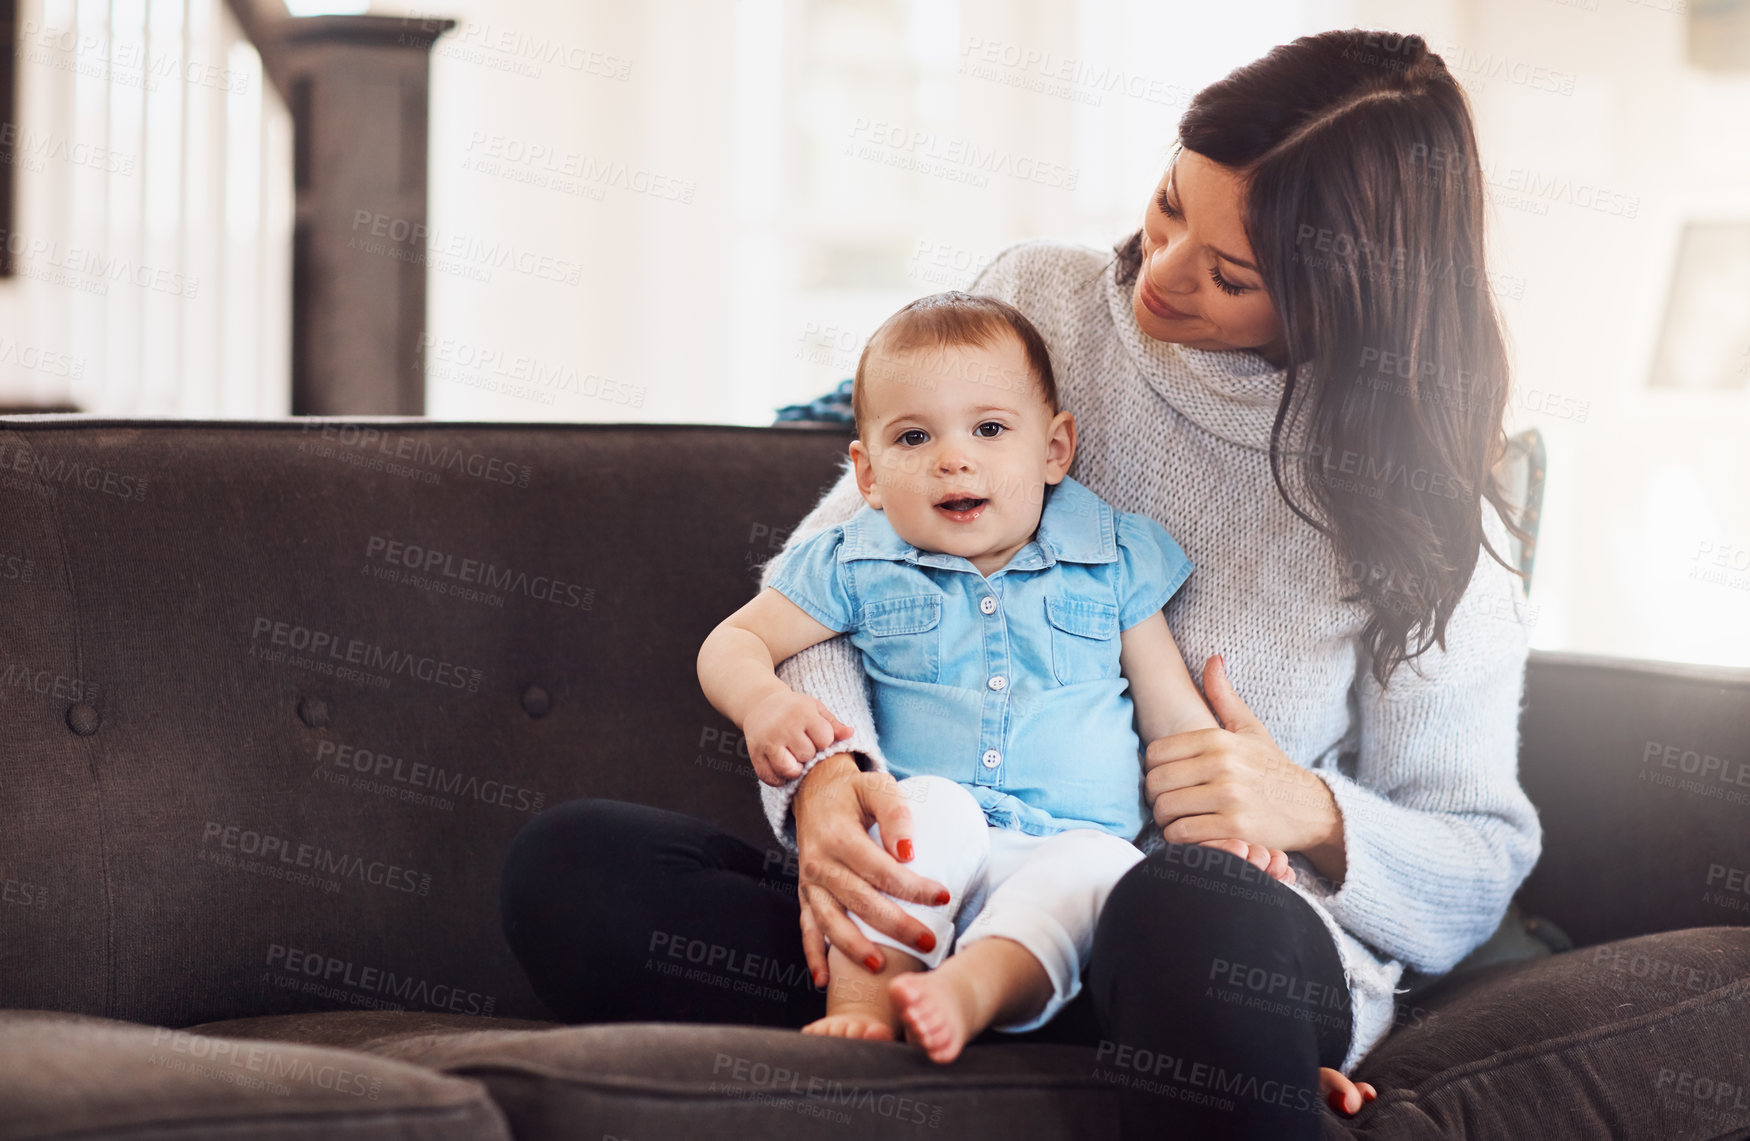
[
  {"x": 83, "y": 719},
  {"x": 536, "y": 703},
  {"x": 313, "y": 711}
]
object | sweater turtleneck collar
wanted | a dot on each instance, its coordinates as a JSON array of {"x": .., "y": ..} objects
[{"x": 1232, "y": 394}]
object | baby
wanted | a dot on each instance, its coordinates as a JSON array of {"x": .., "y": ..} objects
[{"x": 1010, "y": 623}]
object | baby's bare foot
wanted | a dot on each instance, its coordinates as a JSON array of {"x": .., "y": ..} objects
[
  {"x": 1343, "y": 1095},
  {"x": 939, "y": 1010},
  {"x": 853, "y": 1024}
]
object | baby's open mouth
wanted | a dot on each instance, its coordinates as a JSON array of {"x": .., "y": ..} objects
[{"x": 965, "y": 508}]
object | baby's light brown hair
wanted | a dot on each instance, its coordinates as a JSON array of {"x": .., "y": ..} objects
[{"x": 956, "y": 319}]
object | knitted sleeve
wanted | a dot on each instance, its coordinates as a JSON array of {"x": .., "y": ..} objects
[
  {"x": 1437, "y": 831},
  {"x": 830, "y": 671}
]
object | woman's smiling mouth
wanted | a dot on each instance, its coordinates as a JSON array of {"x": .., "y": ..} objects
[
  {"x": 964, "y": 509},
  {"x": 1156, "y": 304}
]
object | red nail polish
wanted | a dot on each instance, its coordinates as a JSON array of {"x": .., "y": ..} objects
[
  {"x": 941, "y": 899},
  {"x": 926, "y": 942},
  {"x": 1368, "y": 1095},
  {"x": 819, "y": 979},
  {"x": 872, "y": 962},
  {"x": 904, "y": 847},
  {"x": 1335, "y": 1100}
]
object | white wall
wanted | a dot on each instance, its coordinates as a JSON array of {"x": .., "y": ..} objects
[
  {"x": 152, "y": 234},
  {"x": 759, "y": 289},
  {"x": 697, "y": 174},
  {"x": 1646, "y": 535},
  {"x": 753, "y": 288}
]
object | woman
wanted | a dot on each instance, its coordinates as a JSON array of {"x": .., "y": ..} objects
[{"x": 1296, "y": 367}]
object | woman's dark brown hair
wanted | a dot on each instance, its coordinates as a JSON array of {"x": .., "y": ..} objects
[{"x": 1365, "y": 215}]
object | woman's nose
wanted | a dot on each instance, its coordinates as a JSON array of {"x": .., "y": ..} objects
[{"x": 1167, "y": 269}]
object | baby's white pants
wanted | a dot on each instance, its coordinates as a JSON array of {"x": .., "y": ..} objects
[{"x": 1044, "y": 892}]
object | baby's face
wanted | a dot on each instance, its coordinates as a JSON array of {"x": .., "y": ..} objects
[{"x": 957, "y": 446}]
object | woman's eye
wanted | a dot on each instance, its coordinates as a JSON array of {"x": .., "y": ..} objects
[
  {"x": 912, "y": 437},
  {"x": 1224, "y": 284},
  {"x": 991, "y": 435},
  {"x": 1166, "y": 206}
]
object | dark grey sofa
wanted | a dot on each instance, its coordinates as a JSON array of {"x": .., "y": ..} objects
[{"x": 275, "y": 697}]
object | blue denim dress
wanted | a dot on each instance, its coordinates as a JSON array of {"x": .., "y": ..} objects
[{"x": 1008, "y": 685}]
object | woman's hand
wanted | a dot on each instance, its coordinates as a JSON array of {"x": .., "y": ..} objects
[
  {"x": 841, "y": 869},
  {"x": 1215, "y": 784}
]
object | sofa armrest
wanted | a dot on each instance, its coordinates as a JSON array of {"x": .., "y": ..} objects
[{"x": 1641, "y": 774}]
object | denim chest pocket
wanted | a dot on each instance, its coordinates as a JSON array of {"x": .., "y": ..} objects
[
  {"x": 905, "y": 636},
  {"x": 1084, "y": 639}
]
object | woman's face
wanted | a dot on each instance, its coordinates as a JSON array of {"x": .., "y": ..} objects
[{"x": 1198, "y": 284}]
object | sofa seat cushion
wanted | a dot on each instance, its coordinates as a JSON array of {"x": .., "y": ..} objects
[
  {"x": 69, "y": 1075},
  {"x": 1639, "y": 1038},
  {"x": 637, "y": 1080}
]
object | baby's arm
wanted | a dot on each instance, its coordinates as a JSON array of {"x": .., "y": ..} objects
[
  {"x": 737, "y": 670},
  {"x": 1168, "y": 702}
]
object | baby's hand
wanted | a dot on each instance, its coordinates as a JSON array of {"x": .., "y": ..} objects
[
  {"x": 1273, "y": 861},
  {"x": 785, "y": 730}
]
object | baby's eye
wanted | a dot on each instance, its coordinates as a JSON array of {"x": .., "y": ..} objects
[
  {"x": 912, "y": 437},
  {"x": 980, "y": 430}
]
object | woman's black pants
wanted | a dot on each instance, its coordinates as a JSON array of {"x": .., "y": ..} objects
[{"x": 1212, "y": 996}]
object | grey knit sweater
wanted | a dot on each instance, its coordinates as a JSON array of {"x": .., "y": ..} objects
[{"x": 1438, "y": 833}]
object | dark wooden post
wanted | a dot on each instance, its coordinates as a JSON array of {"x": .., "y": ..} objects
[{"x": 357, "y": 89}]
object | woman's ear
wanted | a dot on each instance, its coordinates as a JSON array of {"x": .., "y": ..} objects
[
  {"x": 865, "y": 474},
  {"x": 1060, "y": 446}
]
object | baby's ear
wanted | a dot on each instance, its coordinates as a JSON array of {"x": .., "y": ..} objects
[
  {"x": 1060, "y": 446},
  {"x": 865, "y": 469}
]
